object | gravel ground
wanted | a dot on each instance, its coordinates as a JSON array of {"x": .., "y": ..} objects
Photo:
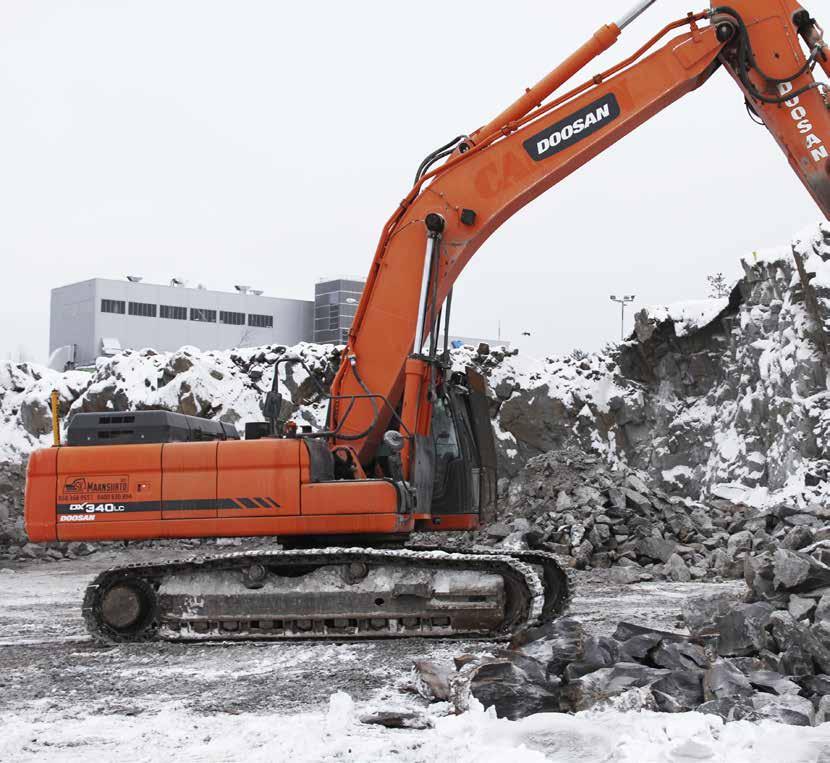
[{"x": 47, "y": 658}]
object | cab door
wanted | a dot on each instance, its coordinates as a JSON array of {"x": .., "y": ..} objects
[{"x": 452, "y": 491}]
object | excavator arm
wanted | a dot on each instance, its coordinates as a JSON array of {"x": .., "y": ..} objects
[{"x": 770, "y": 47}]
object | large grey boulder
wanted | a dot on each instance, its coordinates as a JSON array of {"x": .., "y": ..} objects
[
  {"x": 799, "y": 644},
  {"x": 434, "y": 679},
  {"x": 724, "y": 680},
  {"x": 736, "y": 708},
  {"x": 598, "y": 652},
  {"x": 798, "y": 572},
  {"x": 743, "y": 630},
  {"x": 602, "y": 684},
  {"x": 656, "y": 549},
  {"x": 679, "y": 656},
  {"x": 789, "y": 708},
  {"x": 511, "y": 691},
  {"x": 770, "y": 681},
  {"x": 637, "y": 648},
  {"x": 678, "y": 692},
  {"x": 677, "y": 569},
  {"x": 555, "y": 644},
  {"x": 701, "y": 613}
]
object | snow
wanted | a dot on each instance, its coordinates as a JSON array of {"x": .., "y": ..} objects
[
  {"x": 689, "y": 316},
  {"x": 672, "y": 475},
  {"x": 66, "y": 699},
  {"x": 173, "y": 732}
]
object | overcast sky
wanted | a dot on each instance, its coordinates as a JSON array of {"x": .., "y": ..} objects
[{"x": 266, "y": 143}]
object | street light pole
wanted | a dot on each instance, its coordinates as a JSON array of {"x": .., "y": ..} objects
[{"x": 624, "y": 302}]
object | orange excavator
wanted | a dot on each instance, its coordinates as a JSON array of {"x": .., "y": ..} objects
[{"x": 408, "y": 443}]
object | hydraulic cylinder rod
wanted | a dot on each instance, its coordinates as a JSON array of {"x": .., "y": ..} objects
[
  {"x": 602, "y": 40},
  {"x": 635, "y": 13}
]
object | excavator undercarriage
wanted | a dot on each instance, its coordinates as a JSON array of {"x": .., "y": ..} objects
[{"x": 331, "y": 593}]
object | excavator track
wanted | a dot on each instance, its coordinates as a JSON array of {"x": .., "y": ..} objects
[
  {"x": 556, "y": 579},
  {"x": 327, "y": 594}
]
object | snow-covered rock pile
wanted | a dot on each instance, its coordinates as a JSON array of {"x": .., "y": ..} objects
[
  {"x": 25, "y": 414},
  {"x": 560, "y": 668},
  {"x": 227, "y": 386},
  {"x": 739, "y": 407},
  {"x": 782, "y": 630},
  {"x": 574, "y": 505},
  {"x": 738, "y": 661}
]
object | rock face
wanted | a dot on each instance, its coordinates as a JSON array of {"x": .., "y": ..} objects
[{"x": 716, "y": 398}]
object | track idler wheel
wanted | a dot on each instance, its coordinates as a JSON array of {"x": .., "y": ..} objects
[{"x": 128, "y": 607}]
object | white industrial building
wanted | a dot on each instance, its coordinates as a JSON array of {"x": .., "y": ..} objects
[{"x": 102, "y": 316}]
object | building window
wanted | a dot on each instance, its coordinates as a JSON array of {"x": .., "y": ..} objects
[
  {"x": 334, "y": 316},
  {"x": 261, "y": 321},
  {"x": 202, "y": 315},
  {"x": 144, "y": 309},
  {"x": 232, "y": 319},
  {"x": 112, "y": 306},
  {"x": 174, "y": 312}
]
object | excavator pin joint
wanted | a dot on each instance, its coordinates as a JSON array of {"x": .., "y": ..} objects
[
  {"x": 435, "y": 223},
  {"x": 725, "y": 31}
]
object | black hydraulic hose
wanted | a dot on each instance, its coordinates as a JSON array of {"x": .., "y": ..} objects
[
  {"x": 375, "y": 409},
  {"x": 433, "y": 157},
  {"x": 747, "y": 60},
  {"x": 447, "y": 323}
]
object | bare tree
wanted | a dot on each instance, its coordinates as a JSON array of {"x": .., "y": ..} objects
[{"x": 718, "y": 286}]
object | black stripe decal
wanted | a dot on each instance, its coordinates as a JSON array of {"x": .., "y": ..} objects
[
  {"x": 136, "y": 507},
  {"x": 197, "y": 504}
]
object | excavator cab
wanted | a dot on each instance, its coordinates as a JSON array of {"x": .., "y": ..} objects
[{"x": 465, "y": 452}]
